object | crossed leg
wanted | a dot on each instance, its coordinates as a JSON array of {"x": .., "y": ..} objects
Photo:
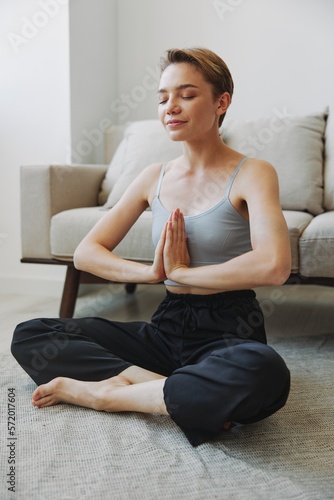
[{"x": 134, "y": 389}]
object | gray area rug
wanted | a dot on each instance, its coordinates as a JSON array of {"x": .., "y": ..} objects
[{"x": 66, "y": 452}]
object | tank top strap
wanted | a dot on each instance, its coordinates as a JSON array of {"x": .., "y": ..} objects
[
  {"x": 234, "y": 174},
  {"x": 162, "y": 173}
]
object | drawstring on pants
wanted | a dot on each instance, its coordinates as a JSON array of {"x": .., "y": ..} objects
[{"x": 189, "y": 319}]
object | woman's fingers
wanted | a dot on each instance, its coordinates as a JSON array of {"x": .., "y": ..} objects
[
  {"x": 180, "y": 230},
  {"x": 175, "y": 250}
]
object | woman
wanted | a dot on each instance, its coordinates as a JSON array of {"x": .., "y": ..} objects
[{"x": 219, "y": 231}]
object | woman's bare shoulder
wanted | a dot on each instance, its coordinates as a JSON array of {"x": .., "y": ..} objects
[
  {"x": 149, "y": 178},
  {"x": 150, "y": 172},
  {"x": 144, "y": 184},
  {"x": 255, "y": 170},
  {"x": 258, "y": 164},
  {"x": 258, "y": 180}
]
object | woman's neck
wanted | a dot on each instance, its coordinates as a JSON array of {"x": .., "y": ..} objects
[{"x": 204, "y": 152}]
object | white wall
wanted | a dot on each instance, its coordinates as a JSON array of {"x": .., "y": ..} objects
[
  {"x": 279, "y": 51},
  {"x": 35, "y": 122},
  {"x": 93, "y": 69}
]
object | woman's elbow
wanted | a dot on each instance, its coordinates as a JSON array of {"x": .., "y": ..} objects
[
  {"x": 79, "y": 259},
  {"x": 280, "y": 270}
]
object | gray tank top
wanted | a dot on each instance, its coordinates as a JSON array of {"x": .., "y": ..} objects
[{"x": 214, "y": 236}]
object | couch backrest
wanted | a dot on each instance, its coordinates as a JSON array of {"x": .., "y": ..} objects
[
  {"x": 144, "y": 142},
  {"x": 293, "y": 144}
]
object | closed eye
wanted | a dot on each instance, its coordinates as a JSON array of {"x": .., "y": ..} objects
[{"x": 186, "y": 97}]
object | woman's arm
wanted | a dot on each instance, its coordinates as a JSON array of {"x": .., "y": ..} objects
[
  {"x": 95, "y": 253},
  {"x": 269, "y": 261}
]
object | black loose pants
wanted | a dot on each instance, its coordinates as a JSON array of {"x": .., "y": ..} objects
[{"x": 211, "y": 348}]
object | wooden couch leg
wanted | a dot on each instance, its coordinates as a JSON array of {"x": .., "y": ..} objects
[
  {"x": 130, "y": 287},
  {"x": 70, "y": 292}
]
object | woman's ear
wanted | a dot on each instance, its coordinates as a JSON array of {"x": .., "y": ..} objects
[{"x": 224, "y": 101}]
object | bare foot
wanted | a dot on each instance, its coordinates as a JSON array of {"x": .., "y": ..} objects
[{"x": 67, "y": 390}]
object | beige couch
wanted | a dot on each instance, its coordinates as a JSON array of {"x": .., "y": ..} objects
[{"x": 61, "y": 203}]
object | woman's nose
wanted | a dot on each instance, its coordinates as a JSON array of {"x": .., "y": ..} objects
[{"x": 173, "y": 107}]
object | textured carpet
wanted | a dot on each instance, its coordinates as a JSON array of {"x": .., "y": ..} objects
[{"x": 66, "y": 452}]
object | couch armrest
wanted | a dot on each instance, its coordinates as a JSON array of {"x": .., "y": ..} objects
[{"x": 50, "y": 189}]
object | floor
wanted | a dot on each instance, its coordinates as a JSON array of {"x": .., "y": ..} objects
[{"x": 292, "y": 310}]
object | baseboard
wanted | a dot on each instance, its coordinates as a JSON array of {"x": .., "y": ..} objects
[{"x": 31, "y": 286}]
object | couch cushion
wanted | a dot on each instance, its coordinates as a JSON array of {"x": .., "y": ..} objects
[
  {"x": 316, "y": 255},
  {"x": 68, "y": 228},
  {"x": 329, "y": 163},
  {"x": 144, "y": 142},
  {"x": 294, "y": 145},
  {"x": 297, "y": 222}
]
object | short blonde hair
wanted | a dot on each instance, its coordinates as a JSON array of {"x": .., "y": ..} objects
[{"x": 212, "y": 67}]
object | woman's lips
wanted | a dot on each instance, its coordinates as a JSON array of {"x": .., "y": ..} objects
[{"x": 175, "y": 123}]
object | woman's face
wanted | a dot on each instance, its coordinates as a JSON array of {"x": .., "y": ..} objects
[{"x": 187, "y": 108}]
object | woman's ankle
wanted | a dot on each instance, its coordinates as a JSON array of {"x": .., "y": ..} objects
[{"x": 136, "y": 375}]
